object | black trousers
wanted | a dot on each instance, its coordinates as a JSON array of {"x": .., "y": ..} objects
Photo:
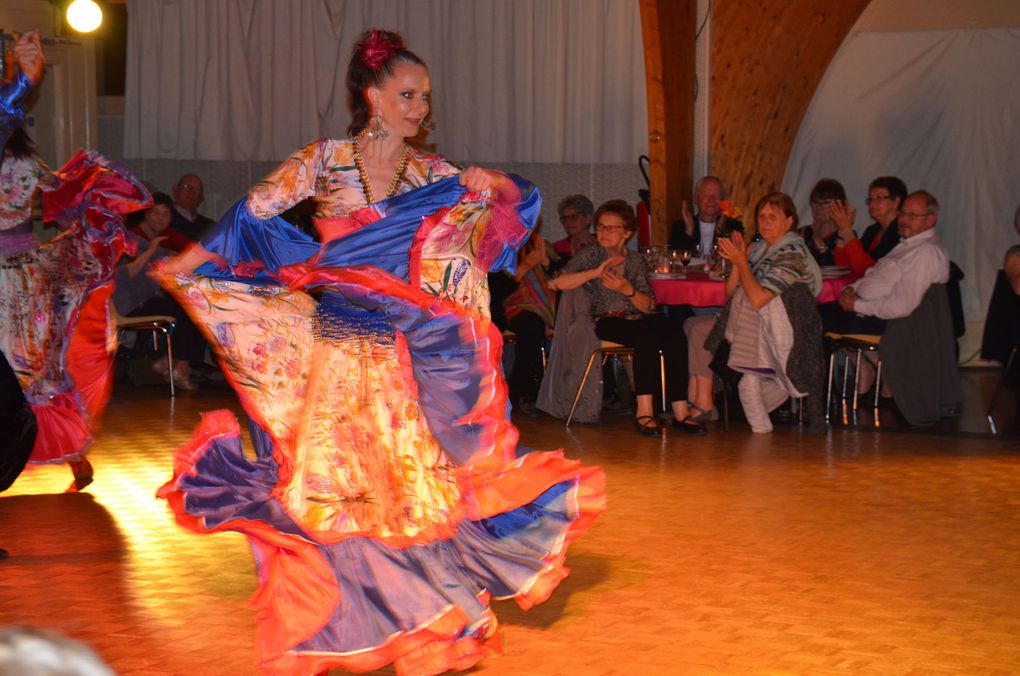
[
  {"x": 188, "y": 342},
  {"x": 18, "y": 424},
  {"x": 526, "y": 374},
  {"x": 648, "y": 335},
  {"x": 837, "y": 320}
]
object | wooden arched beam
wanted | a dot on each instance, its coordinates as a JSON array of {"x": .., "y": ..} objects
[
  {"x": 768, "y": 57},
  {"x": 668, "y": 29}
]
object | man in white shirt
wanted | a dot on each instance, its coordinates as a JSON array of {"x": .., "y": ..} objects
[
  {"x": 708, "y": 223},
  {"x": 894, "y": 286}
]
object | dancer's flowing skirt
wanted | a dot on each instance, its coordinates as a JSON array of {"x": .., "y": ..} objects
[
  {"x": 57, "y": 331},
  {"x": 388, "y": 501}
]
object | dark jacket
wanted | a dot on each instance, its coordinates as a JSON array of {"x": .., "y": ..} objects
[
  {"x": 679, "y": 239},
  {"x": 918, "y": 354}
]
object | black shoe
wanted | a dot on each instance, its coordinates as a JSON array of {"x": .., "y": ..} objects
[
  {"x": 648, "y": 425},
  {"x": 688, "y": 426},
  {"x": 3, "y": 554}
]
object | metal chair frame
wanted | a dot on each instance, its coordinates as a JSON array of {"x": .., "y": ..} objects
[
  {"x": 155, "y": 324},
  {"x": 860, "y": 347},
  {"x": 609, "y": 349}
]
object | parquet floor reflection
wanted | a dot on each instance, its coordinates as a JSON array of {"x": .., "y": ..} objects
[{"x": 733, "y": 553}]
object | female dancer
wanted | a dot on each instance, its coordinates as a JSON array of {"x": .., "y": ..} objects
[
  {"x": 54, "y": 297},
  {"x": 389, "y": 499}
]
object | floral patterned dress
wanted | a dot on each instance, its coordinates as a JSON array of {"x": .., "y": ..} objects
[
  {"x": 389, "y": 499},
  {"x": 56, "y": 331}
]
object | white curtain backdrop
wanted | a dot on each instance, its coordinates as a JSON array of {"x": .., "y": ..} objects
[
  {"x": 940, "y": 109},
  {"x": 559, "y": 81}
]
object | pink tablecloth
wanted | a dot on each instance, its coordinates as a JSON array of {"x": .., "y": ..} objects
[{"x": 700, "y": 291}]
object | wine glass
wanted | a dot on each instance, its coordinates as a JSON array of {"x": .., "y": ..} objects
[{"x": 685, "y": 258}]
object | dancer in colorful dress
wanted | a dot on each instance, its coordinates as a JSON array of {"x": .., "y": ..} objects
[
  {"x": 56, "y": 330},
  {"x": 389, "y": 500}
]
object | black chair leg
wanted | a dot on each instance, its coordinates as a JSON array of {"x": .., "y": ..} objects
[{"x": 998, "y": 389}]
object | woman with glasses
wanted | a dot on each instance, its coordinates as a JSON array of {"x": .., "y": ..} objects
[
  {"x": 885, "y": 197},
  {"x": 575, "y": 213},
  {"x": 821, "y": 235},
  {"x": 623, "y": 306}
]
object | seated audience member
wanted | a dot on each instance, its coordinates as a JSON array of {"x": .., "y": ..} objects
[
  {"x": 617, "y": 281},
  {"x": 885, "y": 199},
  {"x": 1011, "y": 266},
  {"x": 156, "y": 223},
  {"x": 772, "y": 286},
  {"x": 189, "y": 194},
  {"x": 136, "y": 294},
  {"x": 575, "y": 213},
  {"x": 1002, "y": 324},
  {"x": 699, "y": 365},
  {"x": 530, "y": 311},
  {"x": 709, "y": 222},
  {"x": 893, "y": 289},
  {"x": 820, "y": 236}
]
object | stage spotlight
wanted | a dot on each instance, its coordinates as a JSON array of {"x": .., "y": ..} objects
[{"x": 84, "y": 15}]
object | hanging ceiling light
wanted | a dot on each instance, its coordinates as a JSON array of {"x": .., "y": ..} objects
[{"x": 84, "y": 15}]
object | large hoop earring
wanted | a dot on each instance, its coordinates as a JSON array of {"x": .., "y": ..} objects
[{"x": 374, "y": 131}]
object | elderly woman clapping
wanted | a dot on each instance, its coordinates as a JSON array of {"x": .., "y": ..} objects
[
  {"x": 758, "y": 327},
  {"x": 623, "y": 308}
]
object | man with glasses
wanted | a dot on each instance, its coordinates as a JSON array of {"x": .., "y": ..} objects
[
  {"x": 188, "y": 195},
  {"x": 892, "y": 299},
  {"x": 575, "y": 213}
]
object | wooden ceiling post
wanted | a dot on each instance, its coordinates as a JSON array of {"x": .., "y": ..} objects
[{"x": 668, "y": 28}]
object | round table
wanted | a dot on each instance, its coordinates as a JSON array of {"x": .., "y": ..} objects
[{"x": 699, "y": 290}]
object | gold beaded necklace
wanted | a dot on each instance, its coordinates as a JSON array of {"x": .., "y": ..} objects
[{"x": 398, "y": 177}]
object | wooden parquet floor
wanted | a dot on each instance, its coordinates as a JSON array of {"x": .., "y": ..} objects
[{"x": 858, "y": 553}]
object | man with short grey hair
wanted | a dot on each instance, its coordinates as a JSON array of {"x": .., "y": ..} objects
[
  {"x": 708, "y": 223},
  {"x": 894, "y": 286}
]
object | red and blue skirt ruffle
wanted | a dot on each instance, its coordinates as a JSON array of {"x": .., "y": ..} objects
[{"x": 400, "y": 570}]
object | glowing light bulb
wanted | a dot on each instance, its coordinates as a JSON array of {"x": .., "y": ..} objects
[{"x": 84, "y": 15}]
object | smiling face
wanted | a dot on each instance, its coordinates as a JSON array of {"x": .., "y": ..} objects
[
  {"x": 402, "y": 100},
  {"x": 708, "y": 199}
]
